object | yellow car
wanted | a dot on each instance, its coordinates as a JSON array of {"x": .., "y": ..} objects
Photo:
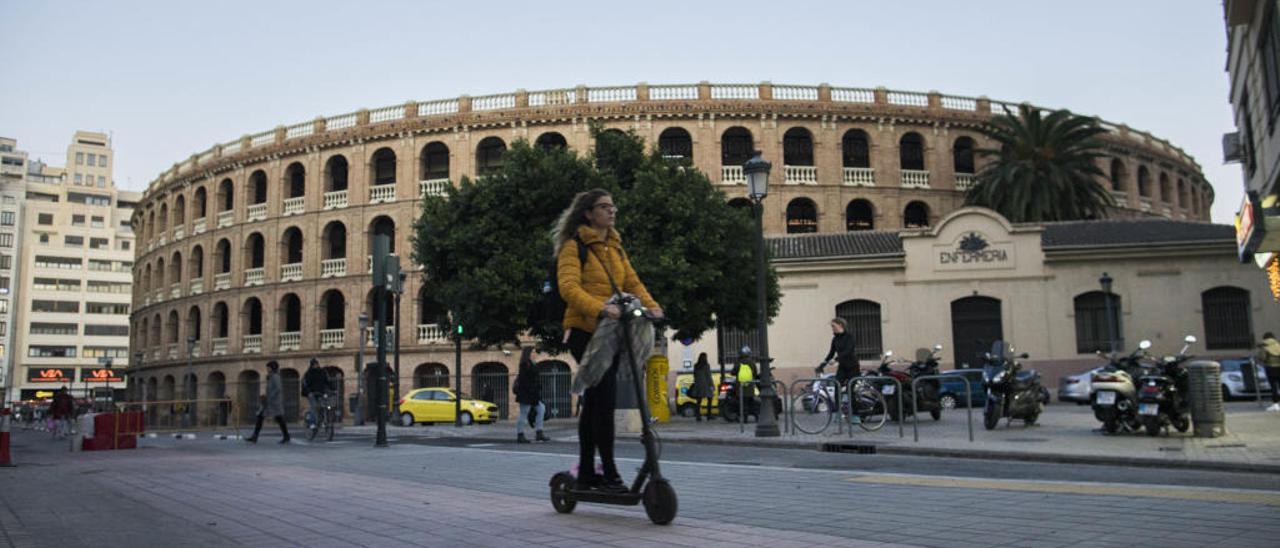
[
  {"x": 437, "y": 405},
  {"x": 686, "y": 405}
]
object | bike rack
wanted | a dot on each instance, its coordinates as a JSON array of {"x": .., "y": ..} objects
[
  {"x": 915, "y": 409},
  {"x": 791, "y": 400},
  {"x": 849, "y": 390}
]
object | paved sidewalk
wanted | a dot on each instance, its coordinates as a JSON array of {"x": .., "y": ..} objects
[{"x": 1065, "y": 433}]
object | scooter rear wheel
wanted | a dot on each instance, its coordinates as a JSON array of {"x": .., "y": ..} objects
[
  {"x": 660, "y": 502},
  {"x": 561, "y": 499}
]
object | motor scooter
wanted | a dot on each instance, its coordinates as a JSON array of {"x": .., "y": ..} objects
[
  {"x": 1162, "y": 400},
  {"x": 1114, "y": 399},
  {"x": 927, "y": 394},
  {"x": 1010, "y": 392}
]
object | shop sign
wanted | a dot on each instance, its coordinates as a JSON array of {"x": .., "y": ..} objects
[
  {"x": 974, "y": 251},
  {"x": 1248, "y": 228},
  {"x": 100, "y": 374},
  {"x": 51, "y": 375}
]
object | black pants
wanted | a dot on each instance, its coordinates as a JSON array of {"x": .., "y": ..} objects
[
  {"x": 1273, "y": 377},
  {"x": 284, "y": 430},
  {"x": 595, "y": 421}
]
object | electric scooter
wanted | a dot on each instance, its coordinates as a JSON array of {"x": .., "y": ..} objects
[{"x": 650, "y": 487}]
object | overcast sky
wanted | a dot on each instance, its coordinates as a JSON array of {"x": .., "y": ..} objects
[{"x": 167, "y": 79}]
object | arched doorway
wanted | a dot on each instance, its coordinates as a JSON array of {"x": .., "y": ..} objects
[
  {"x": 489, "y": 382},
  {"x": 216, "y": 389},
  {"x": 554, "y": 380},
  {"x": 551, "y": 140},
  {"x": 292, "y": 385},
  {"x": 431, "y": 375},
  {"x": 247, "y": 391},
  {"x": 975, "y": 324}
]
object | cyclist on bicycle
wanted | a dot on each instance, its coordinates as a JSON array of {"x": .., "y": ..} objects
[
  {"x": 842, "y": 350},
  {"x": 315, "y": 385}
]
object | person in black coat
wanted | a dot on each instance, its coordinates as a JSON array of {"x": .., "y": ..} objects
[
  {"x": 842, "y": 350},
  {"x": 702, "y": 389},
  {"x": 315, "y": 384},
  {"x": 528, "y": 395}
]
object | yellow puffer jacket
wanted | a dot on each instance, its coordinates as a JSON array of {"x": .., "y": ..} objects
[{"x": 585, "y": 288}]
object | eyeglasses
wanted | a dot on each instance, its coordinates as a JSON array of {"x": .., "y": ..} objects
[{"x": 607, "y": 207}]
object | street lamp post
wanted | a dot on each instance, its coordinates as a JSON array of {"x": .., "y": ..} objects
[
  {"x": 756, "y": 171},
  {"x": 396, "y": 399},
  {"x": 1106, "y": 280},
  {"x": 189, "y": 383},
  {"x": 359, "y": 416}
]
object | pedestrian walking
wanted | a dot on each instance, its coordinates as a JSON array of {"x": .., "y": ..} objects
[
  {"x": 272, "y": 404},
  {"x": 586, "y": 287},
  {"x": 1270, "y": 350},
  {"x": 528, "y": 390},
  {"x": 63, "y": 411},
  {"x": 702, "y": 388}
]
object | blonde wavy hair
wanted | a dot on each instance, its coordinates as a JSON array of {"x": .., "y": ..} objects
[{"x": 573, "y": 217}]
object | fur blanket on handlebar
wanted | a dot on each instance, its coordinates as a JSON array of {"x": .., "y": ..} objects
[{"x": 606, "y": 344}]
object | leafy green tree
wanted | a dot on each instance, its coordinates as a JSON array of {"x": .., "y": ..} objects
[
  {"x": 487, "y": 248},
  {"x": 1045, "y": 168}
]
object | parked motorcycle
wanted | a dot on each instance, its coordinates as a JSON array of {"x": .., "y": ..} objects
[
  {"x": 1162, "y": 400},
  {"x": 927, "y": 394},
  {"x": 1010, "y": 392},
  {"x": 1114, "y": 399}
]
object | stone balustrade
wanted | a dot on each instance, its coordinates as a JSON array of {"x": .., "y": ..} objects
[
  {"x": 431, "y": 333},
  {"x": 732, "y": 175},
  {"x": 255, "y": 276},
  {"x": 290, "y": 272},
  {"x": 226, "y": 218},
  {"x": 290, "y": 340},
  {"x": 335, "y": 200},
  {"x": 255, "y": 212},
  {"x": 333, "y": 267},
  {"x": 800, "y": 175},
  {"x": 252, "y": 344},
  {"x": 382, "y": 193},
  {"x": 433, "y": 187},
  {"x": 294, "y": 206},
  {"x": 220, "y": 346},
  {"x": 332, "y": 338},
  {"x": 221, "y": 280},
  {"x": 859, "y": 176},
  {"x": 915, "y": 178}
]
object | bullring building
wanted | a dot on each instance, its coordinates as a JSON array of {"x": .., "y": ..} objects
[{"x": 259, "y": 248}]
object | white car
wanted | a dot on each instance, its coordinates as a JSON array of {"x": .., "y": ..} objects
[
  {"x": 1233, "y": 384},
  {"x": 1077, "y": 388}
]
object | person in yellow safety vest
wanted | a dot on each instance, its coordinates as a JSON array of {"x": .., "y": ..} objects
[{"x": 746, "y": 374}]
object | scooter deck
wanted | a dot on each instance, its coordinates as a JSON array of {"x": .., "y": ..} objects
[{"x": 625, "y": 498}]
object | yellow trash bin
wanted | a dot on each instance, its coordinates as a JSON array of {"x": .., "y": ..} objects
[{"x": 656, "y": 387}]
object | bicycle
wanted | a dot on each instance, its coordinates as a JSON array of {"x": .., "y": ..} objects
[
  {"x": 324, "y": 420},
  {"x": 818, "y": 404}
]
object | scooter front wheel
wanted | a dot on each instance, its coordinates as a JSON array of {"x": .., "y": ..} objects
[
  {"x": 561, "y": 499},
  {"x": 660, "y": 502}
]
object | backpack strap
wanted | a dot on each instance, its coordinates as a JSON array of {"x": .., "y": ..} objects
[{"x": 607, "y": 274}]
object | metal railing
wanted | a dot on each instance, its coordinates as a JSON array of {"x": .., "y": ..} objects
[
  {"x": 898, "y": 384},
  {"x": 181, "y": 414}
]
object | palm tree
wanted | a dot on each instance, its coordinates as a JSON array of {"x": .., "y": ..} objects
[{"x": 1044, "y": 168}]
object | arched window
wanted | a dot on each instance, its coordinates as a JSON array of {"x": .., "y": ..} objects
[
  {"x": 1182, "y": 194},
  {"x": 1226, "y": 318},
  {"x": 489, "y": 155},
  {"x": 222, "y": 254},
  {"x": 155, "y": 331},
  {"x": 864, "y": 324},
  {"x": 383, "y": 225},
  {"x": 197, "y": 262},
  {"x": 160, "y": 274},
  {"x": 797, "y": 147},
  {"x": 855, "y": 149},
  {"x": 255, "y": 251},
  {"x": 1094, "y": 331},
  {"x": 199, "y": 208},
  {"x": 146, "y": 278},
  {"x": 911, "y": 151},
  {"x": 335, "y": 174},
  {"x": 221, "y": 321},
  {"x": 296, "y": 176},
  {"x": 179, "y": 211},
  {"x": 735, "y": 146},
  {"x": 258, "y": 187},
  {"x": 251, "y": 314},
  {"x": 859, "y": 215},
  {"x": 193, "y": 324},
  {"x": 915, "y": 215},
  {"x": 430, "y": 311},
  {"x": 1166, "y": 188},
  {"x": 175, "y": 268},
  {"x": 1144, "y": 182},
  {"x": 290, "y": 314},
  {"x": 962, "y": 154},
  {"x": 226, "y": 195},
  {"x": 431, "y": 375},
  {"x": 335, "y": 241},
  {"x": 675, "y": 142},
  {"x": 550, "y": 140},
  {"x": 383, "y": 164},
  {"x": 164, "y": 218},
  {"x": 171, "y": 327},
  {"x": 291, "y": 245},
  {"x": 333, "y": 309},
  {"x": 1118, "y": 175},
  {"x": 435, "y": 161},
  {"x": 802, "y": 216}
]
